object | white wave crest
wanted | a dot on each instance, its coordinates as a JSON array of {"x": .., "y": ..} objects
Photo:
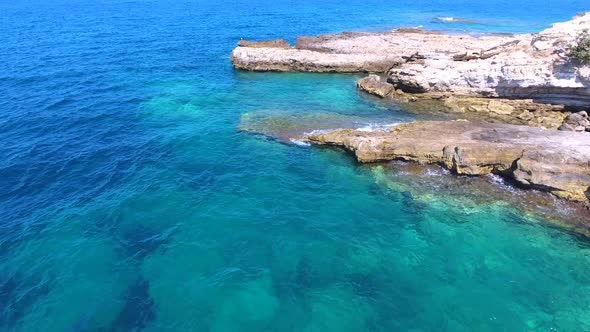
[
  {"x": 445, "y": 18},
  {"x": 299, "y": 142},
  {"x": 372, "y": 127}
]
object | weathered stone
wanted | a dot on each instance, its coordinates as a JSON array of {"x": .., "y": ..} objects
[
  {"x": 503, "y": 66},
  {"x": 514, "y": 111},
  {"x": 500, "y": 107},
  {"x": 549, "y": 160},
  {"x": 576, "y": 122},
  {"x": 417, "y": 30},
  {"x": 274, "y": 59},
  {"x": 519, "y": 79},
  {"x": 375, "y": 86},
  {"x": 276, "y": 43}
]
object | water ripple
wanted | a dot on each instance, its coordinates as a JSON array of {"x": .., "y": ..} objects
[{"x": 129, "y": 201}]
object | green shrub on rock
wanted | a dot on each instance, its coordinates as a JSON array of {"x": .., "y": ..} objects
[{"x": 580, "y": 52}]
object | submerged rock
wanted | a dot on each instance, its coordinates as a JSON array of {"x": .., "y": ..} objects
[
  {"x": 285, "y": 125},
  {"x": 431, "y": 183},
  {"x": 553, "y": 161}
]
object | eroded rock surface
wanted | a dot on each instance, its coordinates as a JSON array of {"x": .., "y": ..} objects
[
  {"x": 553, "y": 161},
  {"x": 277, "y": 43},
  {"x": 517, "y": 79},
  {"x": 531, "y": 66},
  {"x": 576, "y": 122},
  {"x": 498, "y": 110}
]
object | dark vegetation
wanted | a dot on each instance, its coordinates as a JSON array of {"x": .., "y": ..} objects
[{"x": 580, "y": 51}]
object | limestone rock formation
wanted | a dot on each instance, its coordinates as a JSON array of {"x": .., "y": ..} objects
[
  {"x": 554, "y": 161},
  {"x": 531, "y": 66},
  {"x": 515, "y": 79},
  {"x": 501, "y": 110},
  {"x": 374, "y": 85},
  {"x": 276, "y": 43},
  {"x": 576, "y": 122}
]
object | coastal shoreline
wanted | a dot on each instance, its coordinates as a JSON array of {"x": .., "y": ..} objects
[
  {"x": 504, "y": 84},
  {"x": 448, "y": 69},
  {"x": 549, "y": 160}
]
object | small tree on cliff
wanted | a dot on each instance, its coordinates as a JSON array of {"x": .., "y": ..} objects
[{"x": 580, "y": 51}]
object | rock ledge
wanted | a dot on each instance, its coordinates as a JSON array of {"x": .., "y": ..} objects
[{"x": 549, "y": 160}]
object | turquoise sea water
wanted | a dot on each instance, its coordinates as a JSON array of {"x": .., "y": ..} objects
[{"x": 129, "y": 199}]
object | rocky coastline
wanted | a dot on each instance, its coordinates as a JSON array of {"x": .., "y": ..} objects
[
  {"x": 498, "y": 110},
  {"x": 515, "y": 90},
  {"x": 550, "y": 160}
]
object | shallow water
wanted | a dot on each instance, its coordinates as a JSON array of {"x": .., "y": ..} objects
[{"x": 131, "y": 201}]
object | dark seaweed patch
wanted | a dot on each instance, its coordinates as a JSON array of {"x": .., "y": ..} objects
[
  {"x": 140, "y": 241},
  {"x": 17, "y": 294},
  {"x": 138, "y": 309}
]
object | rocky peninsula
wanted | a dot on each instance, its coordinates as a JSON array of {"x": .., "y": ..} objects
[{"x": 506, "y": 85}]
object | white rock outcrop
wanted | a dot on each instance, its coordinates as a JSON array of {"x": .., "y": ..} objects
[{"x": 512, "y": 66}]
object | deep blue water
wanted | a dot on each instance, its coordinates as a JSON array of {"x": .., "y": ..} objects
[{"x": 130, "y": 201}]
